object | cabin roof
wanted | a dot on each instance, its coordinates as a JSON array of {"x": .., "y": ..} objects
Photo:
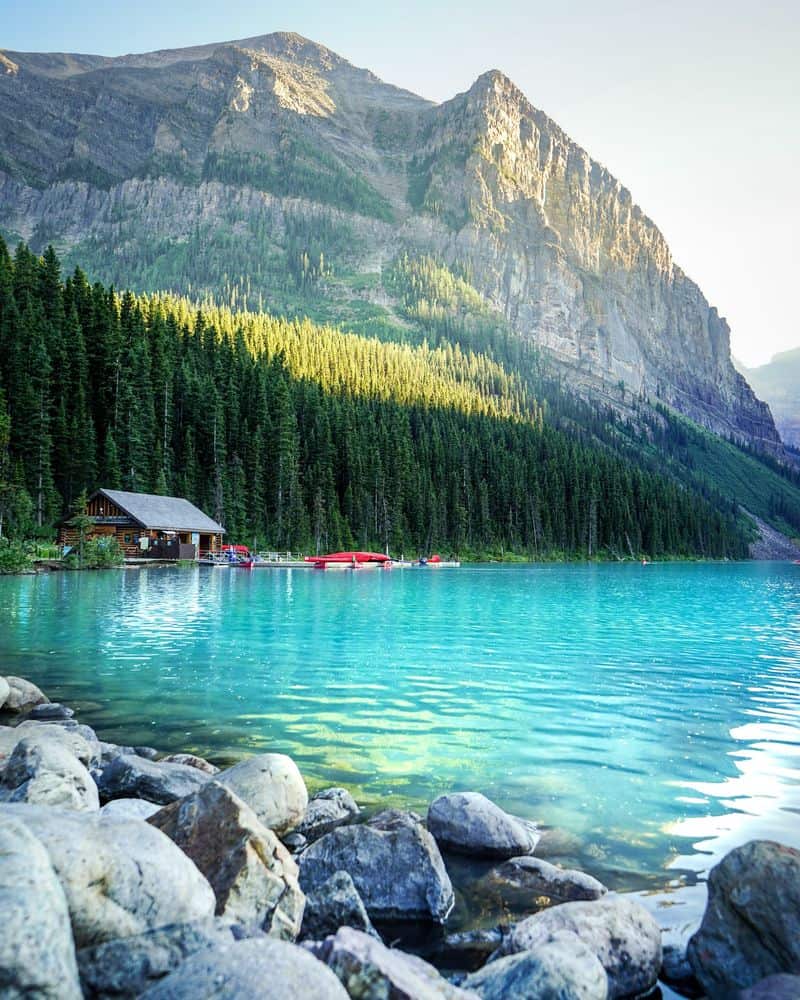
[{"x": 165, "y": 513}]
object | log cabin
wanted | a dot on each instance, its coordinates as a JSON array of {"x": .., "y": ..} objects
[{"x": 148, "y": 526}]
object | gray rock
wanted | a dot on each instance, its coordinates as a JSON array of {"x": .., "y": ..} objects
[
  {"x": 37, "y": 956},
  {"x": 540, "y": 878},
  {"x": 258, "y": 969},
  {"x": 252, "y": 874},
  {"x": 779, "y": 987},
  {"x": 129, "y": 776},
  {"x": 468, "y": 949},
  {"x": 149, "y": 753},
  {"x": 22, "y": 695},
  {"x": 273, "y": 788},
  {"x": 67, "y": 736},
  {"x": 130, "y": 809},
  {"x": 369, "y": 970},
  {"x": 394, "y": 863},
  {"x": 469, "y": 823},
  {"x": 44, "y": 772},
  {"x": 560, "y": 967},
  {"x": 49, "y": 712},
  {"x": 294, "y": 841},
  {"x": 120, "y": 877},
  {"x": 127, "y": 966},
  {"x": 751, "y": 927},
  {"x": 5, "y": 691},
  {"x": 619, "y": 931},
  {"x": 334, "y": 904},
  {"x": 191, "y": 760},
  {"x": 326, "y": 810}
]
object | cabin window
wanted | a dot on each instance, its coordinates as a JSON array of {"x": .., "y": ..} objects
[{"x": 127, "y": 539}]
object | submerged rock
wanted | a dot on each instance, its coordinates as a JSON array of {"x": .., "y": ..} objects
[
  {"x": 619, "y": 931},
  {"x": 468, "y": 949},
  {"x": 326, "y": 810},
  {"x": 334, "y": 904},
  {"x": 130, "y": 809},
  {"x": 751, "y": 926},
  {"x": 126, "y": 967},
  {"x": 540, "y": 878},
  {"x": 191, "y": 760},
  {"x": 120, "y": 877},
  {"x": 779, "y": 987},
  {"x": 394, "y": 863},
  {"x": 129, "y": 776},
  {"x": 469, "y": 823},
  {"x": 37, "y": 956},
  {"x": 561, "y": 967},
  {"x": 22, "y": 695},
  {"x": 369, "y": 970},
  {"x": 252, "y": 874},
  {"x": 44, "y": 772},
  {"x": 49, "y": 712},
  {"x": 272, "y": 786},
  {"x": 261, "y": 967}
]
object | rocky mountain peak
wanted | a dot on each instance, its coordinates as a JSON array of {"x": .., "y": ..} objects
[{"x": 185, "y": 156}]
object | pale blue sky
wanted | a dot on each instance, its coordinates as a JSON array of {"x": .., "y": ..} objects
[{"x": 693, "y": 106}]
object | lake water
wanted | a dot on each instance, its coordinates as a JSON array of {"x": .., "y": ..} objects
[{"x": 652, "y": 713}]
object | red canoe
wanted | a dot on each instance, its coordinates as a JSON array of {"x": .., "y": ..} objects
[{"x": 350, "y": 557}]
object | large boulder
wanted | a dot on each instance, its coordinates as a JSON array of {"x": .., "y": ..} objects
[
  {"x": 37, "y": 956},
  {"x": 536, "y": 878},
  {"x": 369, "y": 970},
  {"x": 751, "y": 927},
  {"x": 334, "y": 904},
  {"x": 68, "y": 736},
  {"x": 261, "y": 967},
  {"x": 561, "y": 967},
  {"x": 22, "y": 695},
  {"x": 469, "y": 823},
  {"x": 619, "y": 931},
  {"x": 272, "y": 786},
  {"x": 125, "y": 967},
  {"x": 252, "y": 874},
  {"x": 326, "y": 810},
  {"x": 120, "y": 877},
  {"x": 131, "y": 776},
  {"x": 394, "y": 863},
  {"x": 130, "y": 808},
  {"x": 44, "y": 772},
  {"x": 5, "y": 691}
]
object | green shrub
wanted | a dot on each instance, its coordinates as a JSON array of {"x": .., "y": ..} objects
[
  {"x": 14, "y": 557},
  {"x": 102, "y": 553}
]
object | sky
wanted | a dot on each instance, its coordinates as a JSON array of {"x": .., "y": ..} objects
[{"x": 694, "y": 106}]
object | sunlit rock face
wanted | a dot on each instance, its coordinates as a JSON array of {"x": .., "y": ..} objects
[{"x": 122, "y": 161}]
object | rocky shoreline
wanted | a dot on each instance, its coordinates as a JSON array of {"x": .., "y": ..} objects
[{"x": 126, "y": 873}]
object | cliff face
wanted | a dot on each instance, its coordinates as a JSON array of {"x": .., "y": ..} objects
[{"x": 160, "y": 166}]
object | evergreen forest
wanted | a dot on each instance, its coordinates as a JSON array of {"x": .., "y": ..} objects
[{"x": 304, "y": 437}]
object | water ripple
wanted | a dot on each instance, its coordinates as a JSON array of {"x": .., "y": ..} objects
[{"x": 654, "y": 708}]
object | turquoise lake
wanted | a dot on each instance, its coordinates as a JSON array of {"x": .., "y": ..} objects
[{"x": 652, "y": 713}]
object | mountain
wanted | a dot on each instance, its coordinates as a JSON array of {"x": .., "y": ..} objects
[
  {"x": 778, "y": 382},
  {"x": 271, "y": 172}
]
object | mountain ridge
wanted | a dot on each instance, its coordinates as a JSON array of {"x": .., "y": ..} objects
[{"x": 224, "y": 149}]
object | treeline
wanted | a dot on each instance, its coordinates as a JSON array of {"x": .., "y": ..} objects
[{"x": 304, "y": 437}]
